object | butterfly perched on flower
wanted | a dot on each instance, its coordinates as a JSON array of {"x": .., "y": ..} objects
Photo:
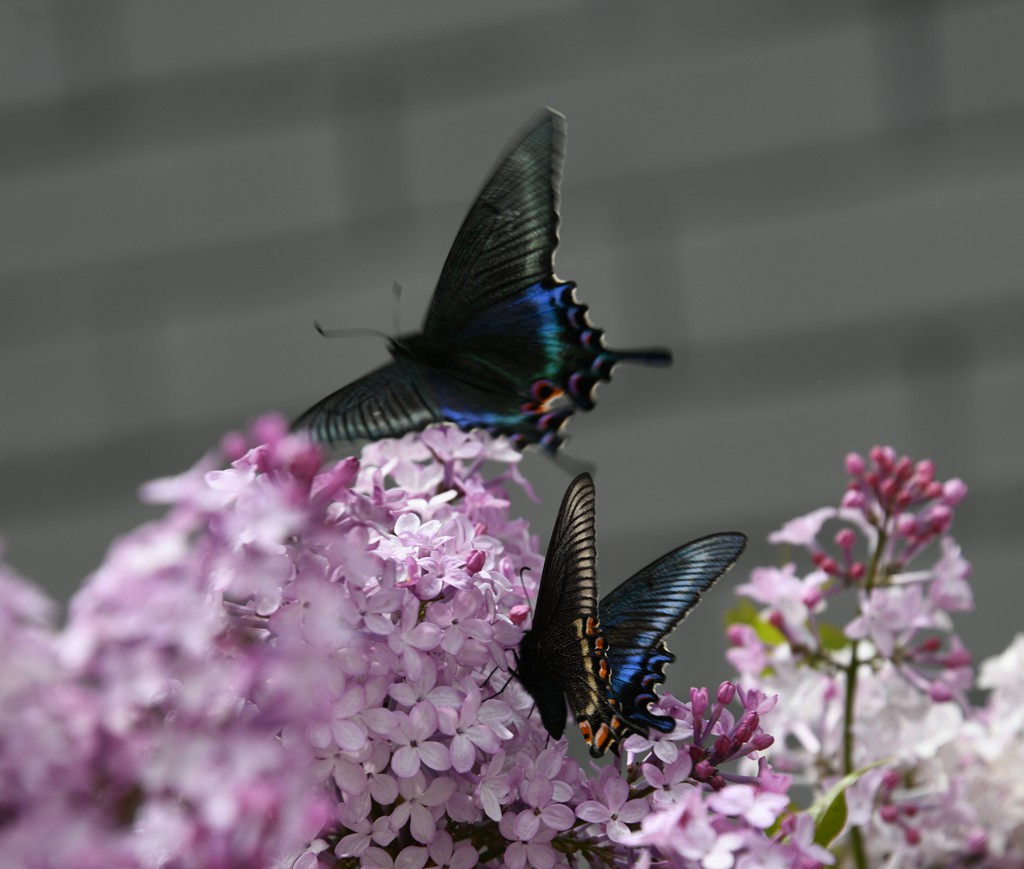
[
  {"x": 505, "y": 345},
  {"x": 606, "y": 658}
]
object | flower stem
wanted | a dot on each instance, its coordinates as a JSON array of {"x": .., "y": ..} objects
[{"x": 856, "y": 841}]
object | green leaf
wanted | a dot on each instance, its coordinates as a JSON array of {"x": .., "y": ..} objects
[
  {"x": 829, "y": 810},
  {"x": 831, "y": 822},
  {"x": 832, "y": 638},
  {"x": 770, "y": 635},
  {"x": 745, "y": 613}
]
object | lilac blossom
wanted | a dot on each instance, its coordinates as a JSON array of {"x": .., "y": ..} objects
[
  {"x": 879, "y": 706},
  {"x": 307, "y": 666},
  {"x": 295, "y": 668}
]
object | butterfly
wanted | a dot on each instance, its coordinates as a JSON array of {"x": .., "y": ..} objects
[
  {"x": 505, "y": 345},
  {"x": 607, "y": 658}
]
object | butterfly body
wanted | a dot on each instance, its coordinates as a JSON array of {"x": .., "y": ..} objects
[
  {"x": 505, "y": 345},
  {"x": 606, "y": 659}
]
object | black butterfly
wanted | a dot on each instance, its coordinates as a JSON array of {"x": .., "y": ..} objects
[
  {"x": 505, "y": 345},
  {"x": 607, "y": 659}
]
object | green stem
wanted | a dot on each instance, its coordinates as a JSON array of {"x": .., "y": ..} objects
[{"x": 856, "y": 840}]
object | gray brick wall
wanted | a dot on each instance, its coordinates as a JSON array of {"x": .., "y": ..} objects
[{"x": 819, "y": 207}]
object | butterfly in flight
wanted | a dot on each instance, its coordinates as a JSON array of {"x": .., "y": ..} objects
[
  {"x": 606, "y": 658},
  {"x": 505, "y": 346}
]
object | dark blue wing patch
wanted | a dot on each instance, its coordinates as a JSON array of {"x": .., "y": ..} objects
[{"x": 638, "y": 615}]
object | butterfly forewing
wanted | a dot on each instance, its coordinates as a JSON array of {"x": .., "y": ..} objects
[
  {"x": 638, "y": 615},
  {"x": 568, "y": 587},
  {"x": 562, "y": 656},
  {"x": 507, "y": 241}
]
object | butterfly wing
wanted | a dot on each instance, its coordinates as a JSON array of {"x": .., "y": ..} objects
[
  {"x": 387, "y": 402},
  {"x": 505, "y": 345},
  {"x": 562, "y": 656},
  {"x": 638, "y": 616},
  {"x": 499, "y": 304},
  {"x": 507, "y": 240}
]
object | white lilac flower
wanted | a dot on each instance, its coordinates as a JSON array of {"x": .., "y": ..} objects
[{"x": 930, "y": 779}]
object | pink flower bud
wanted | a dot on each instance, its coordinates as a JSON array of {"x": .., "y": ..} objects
[
  {"x": 845, "y": 538},
  {"x": 743, "y": 733},
  {"x": 954, "y": 491},
  {"x": 854, "y": 464},
  {"x": 890, "y": 781},
  {"x": 519, "y": 613},
  {"x": 726, "y": 691},
  {"x": 883, "y": 457},
  {"x": 853, "y": 499},
  {"x": 889, "y": 813},
  {"x": 699, "y": 701},
  {"x": 940, "y": 692},
  {"x": 737, "y": 634},
  {"x": 475, "y": 562},
  {"x": 270, "y": 428},
  {"x": 233, "y": 445},
  {"x": 958, "y": 658},
  {"x": 941, "y": 519},
  {"x": 812, "y": 597},
  {"x": 906, "y": 525},
  {"x": 977, "y": 842}
]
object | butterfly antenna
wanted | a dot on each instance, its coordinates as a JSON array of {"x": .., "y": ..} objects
[
  {"x": 512, "y": 670},
  {"x": 351, "y": 333},
  {"x": 508, "y": 682}
]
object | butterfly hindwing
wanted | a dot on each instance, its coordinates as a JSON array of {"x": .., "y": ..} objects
[
  {"x": 387, "y": 402},
  {"x": 562, "y": 656},
  {"x": 505, "y": 346},
  {"x": 638, "y": 615}
]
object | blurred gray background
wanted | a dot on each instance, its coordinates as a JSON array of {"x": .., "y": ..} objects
[{"x": 818, "y": 206}]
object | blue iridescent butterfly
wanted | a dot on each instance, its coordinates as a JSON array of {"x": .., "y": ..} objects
[
  {"x": 607, "y": 659},
  {"x": 505, "y": 345}
]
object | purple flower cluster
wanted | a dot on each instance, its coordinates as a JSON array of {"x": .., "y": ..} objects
[
  {"x": 303, "y": 665},
  {"x": 875, "y": 714}
]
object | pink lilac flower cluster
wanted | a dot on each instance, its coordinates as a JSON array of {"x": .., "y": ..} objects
[
  {"x": 302, "y": 666},
  {"x": 875, "y": 716}
]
